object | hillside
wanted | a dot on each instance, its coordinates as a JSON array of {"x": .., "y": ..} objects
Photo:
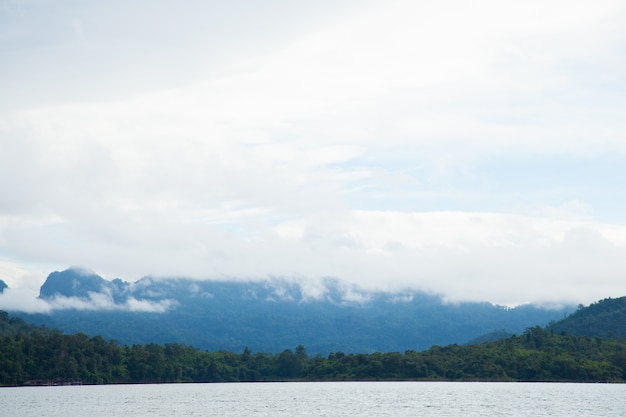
[
  {"x": 35, "y": 355},
  {"x": 10, "y": 326},
  {"x": 51, "y": 357},
  {"x": 269, "y": 316},
  {"x": 605, "y": 318}
]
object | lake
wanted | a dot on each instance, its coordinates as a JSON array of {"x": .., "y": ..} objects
[{"x": 318, "y": 399}]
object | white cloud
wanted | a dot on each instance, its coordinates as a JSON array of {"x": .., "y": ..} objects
[
  {"x": 23, "y": 299},
  {"x": 361, "y": 147},
  {"x": 507, "y": 258}
]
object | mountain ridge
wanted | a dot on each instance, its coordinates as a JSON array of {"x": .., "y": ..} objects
[{"x": 270, "y": 315}]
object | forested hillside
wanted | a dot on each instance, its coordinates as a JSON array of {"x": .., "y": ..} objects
[
  {"x": 11, "y": 326},
  {"x": 605, "y": 318},
  {"x": 45, "y": 356}
]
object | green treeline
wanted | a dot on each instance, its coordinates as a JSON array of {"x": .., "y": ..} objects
[
  {"x": 537, "y": 355},
  {"x": 605, "y": 318}
]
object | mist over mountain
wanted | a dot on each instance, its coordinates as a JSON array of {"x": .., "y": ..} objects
[
  {"x": 271, "y": 315},
  {"x": 3, "y": 285}
]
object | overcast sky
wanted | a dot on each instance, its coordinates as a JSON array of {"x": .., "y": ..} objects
[{"x": 471, "y": 149}]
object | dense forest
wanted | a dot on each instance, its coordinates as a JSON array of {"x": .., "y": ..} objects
[
  {"x": 605, "y": 318},
  {"x": 31, "y": 354}
]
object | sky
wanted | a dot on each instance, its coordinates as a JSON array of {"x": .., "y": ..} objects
[{"x": 475, "y": 150}]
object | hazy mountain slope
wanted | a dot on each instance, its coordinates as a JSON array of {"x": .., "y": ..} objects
[
  {"x": 270, "y": 316},
  {"x": 605, "y": 318},
  {"x": 11, "y": 326}
]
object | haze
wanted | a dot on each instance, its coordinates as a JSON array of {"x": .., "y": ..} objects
[{"x": 474, "y": 150}]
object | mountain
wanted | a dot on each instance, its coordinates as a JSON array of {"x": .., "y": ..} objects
[
  {"x": 605, "y": 318},
  {"x": 3, "y": 285},
  {"x": 82, "y": 284},
  {"x": 270, "y": 316}
]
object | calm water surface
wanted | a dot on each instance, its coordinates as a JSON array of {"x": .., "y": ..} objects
[{"x": 318, "y": 399}]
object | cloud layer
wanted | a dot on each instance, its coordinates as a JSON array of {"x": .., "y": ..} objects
[{"x": 476, "y": 152}]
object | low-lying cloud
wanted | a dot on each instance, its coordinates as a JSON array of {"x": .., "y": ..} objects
[{"x": 26, "y": 300}]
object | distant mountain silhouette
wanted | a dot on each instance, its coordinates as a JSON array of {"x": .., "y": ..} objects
[
  {"x": 3, "y": 285},
  {"x": 271, "y": 315},
  {"x": 81, "y": 284}
]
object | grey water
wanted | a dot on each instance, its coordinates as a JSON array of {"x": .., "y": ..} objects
[{"x": 335, "y": 399}]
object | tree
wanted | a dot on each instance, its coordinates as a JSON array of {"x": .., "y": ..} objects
[{"x": 288, "y": 364}]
